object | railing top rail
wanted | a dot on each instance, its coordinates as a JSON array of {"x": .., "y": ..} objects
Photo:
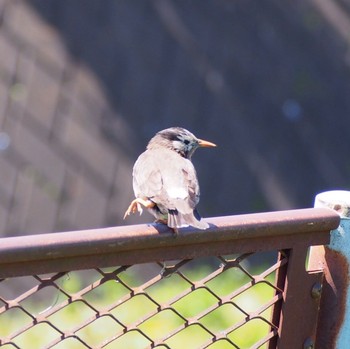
[{"x": 35, "y": 254}]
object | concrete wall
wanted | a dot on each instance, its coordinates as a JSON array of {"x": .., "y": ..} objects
[{"x": 83, "y": 86}]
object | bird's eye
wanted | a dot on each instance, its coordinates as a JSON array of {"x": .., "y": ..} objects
[{"x": 186, "y": 141}]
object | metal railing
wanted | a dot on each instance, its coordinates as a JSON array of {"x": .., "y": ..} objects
[{"x": 240, "y": 284}]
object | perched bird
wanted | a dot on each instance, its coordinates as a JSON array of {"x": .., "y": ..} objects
[{"x": 165, "y": 180}]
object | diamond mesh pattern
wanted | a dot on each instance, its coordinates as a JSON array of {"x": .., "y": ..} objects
[{"x": 218, "y": 302}]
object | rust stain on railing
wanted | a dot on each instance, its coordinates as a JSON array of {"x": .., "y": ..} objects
[{"x": 149, "y": 288}]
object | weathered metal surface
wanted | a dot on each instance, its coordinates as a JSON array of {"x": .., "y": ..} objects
[
  {"x": 334, "y": 326},
  {"x": 333, "y": 300},
  {"x": 142, "y": 243},
  {"x": 299, "y": 310},
  {"x": 337, "y": 200},
  {"x": 289, "y": 312},
  {"x": 334, "y": 320},
  {"x": 280, "y": 284}
]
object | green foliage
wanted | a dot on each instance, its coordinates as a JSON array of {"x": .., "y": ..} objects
[{"x": 189, "y": 312}]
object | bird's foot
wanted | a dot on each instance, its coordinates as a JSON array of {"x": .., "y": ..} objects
[
  {"x": 161, "y": 221},
  {"x": 135, "y": 206},
  {"x": 165, "y": 221}
]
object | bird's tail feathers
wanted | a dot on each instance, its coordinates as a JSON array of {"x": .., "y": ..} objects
[{"x": 180, "y": 220}]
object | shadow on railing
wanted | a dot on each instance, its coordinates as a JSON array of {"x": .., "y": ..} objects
[{"x": 240, "y": 284}]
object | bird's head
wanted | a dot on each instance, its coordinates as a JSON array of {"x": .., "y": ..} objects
[{"x": 180, "y": 140}]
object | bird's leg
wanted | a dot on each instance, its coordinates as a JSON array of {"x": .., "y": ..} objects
[
  {"x": 135, "y": 206},
  {"x": 165, "y": 221},
  {"x": 161, "y": 221}
]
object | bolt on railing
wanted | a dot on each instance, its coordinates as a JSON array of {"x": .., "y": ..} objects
[{"x": 145, "y": 287}]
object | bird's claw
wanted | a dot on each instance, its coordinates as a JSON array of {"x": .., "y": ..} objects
[
  {"x": 139, "y": 209},
  {"x": 134, "y": 207}
]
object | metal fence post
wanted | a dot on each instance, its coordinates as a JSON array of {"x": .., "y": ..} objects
[{"x": 333, "y": 330}]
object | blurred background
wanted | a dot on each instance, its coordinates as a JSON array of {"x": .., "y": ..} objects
[{"x": 85, "y": 85}]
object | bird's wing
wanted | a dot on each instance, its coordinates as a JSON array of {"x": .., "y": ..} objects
[
  {"x": 183, "y": 194},
  {"x": 147, "y": 179},
  {"x": 167, "y": 179}
]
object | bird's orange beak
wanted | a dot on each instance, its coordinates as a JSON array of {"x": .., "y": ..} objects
[{"x": 203, "y": 143}]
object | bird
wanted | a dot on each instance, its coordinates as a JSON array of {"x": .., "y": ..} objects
[{"x": 165, "y": 180}]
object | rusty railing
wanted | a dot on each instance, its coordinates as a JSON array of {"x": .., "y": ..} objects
[{"x": 240, "y": 284}]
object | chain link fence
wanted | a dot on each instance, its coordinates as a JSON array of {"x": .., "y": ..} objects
[
  {"x": 254, "y": 297},
  {"x": 218, "y": 302}
]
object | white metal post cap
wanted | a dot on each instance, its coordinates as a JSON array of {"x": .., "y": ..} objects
[{"x": 337, "y": 200}]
